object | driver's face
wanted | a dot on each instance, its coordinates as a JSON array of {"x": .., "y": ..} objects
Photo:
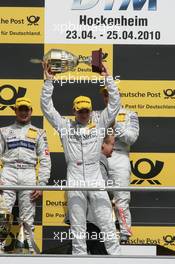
[
  {"x": 83, "y": 116},
  {"x": 23, "y": 114}
]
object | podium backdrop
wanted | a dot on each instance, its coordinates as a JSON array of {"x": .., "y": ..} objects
[{"x": 143, "y": 65}]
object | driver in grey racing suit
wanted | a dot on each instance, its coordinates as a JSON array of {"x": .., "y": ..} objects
[{"x": 82, "y": 143}]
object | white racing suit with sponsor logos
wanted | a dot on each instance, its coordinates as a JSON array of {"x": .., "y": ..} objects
[
  {"x": 126, "y": 129},
  {"x": 21, "y": 148},
  {"x": 82, "y": 148}
]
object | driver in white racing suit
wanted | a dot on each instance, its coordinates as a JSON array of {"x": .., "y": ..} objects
[
  {"x": 126, "y": 130},
  {"x": 82, "y": 143},
  {"x": 22, "y": 146}
]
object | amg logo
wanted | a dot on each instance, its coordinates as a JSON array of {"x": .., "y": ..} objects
[{"x": 123, "y": 4}]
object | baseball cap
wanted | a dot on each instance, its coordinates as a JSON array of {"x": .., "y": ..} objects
[
  {"x": 82, "y": 102},
  {"x": 23, "y": 101}
]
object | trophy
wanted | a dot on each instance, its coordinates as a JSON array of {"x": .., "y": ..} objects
[
  {"x": 6, "y": 219},
  {"x": 21, "y": 243},
  {"x": 61, "y": 61},
  {"x": 24, "y": 239}
]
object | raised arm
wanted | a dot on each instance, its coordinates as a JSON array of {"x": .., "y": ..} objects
[
  {"x": 109, "y": 113},
  {"x": 47, "y": 106}
]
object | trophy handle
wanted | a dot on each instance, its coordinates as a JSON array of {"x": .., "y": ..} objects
[{"x": 36, "y": 61}]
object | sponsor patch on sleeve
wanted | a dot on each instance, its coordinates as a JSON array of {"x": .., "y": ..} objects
[{"x": 121, "y": 117}]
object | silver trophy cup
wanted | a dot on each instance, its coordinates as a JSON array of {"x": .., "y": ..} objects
[{"x": 60, "y": 61}]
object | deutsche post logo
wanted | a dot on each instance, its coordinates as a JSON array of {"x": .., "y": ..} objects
[
  {"x": 33, "y": 20},
  {"x": 16, "y": 93},
  {"x": 155, "y": 169},
  {"x": 169, "y": 240},
  {"x": 169, "y": 93}
]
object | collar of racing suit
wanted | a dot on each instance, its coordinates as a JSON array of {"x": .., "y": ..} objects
[{"x": 17, "y": 124}]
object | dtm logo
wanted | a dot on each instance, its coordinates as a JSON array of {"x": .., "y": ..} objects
[
  {"x": 169, "y": 240},
  {"x": 124, "y": 4},
  {"x": 33, "y": 20},
  {"x": 169, "y": 93},
  {"x": 153, "y": 172},
  {"x": 4, "y": 89}
]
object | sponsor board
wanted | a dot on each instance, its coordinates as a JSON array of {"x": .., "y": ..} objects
[
  {"x": 99, "y": 24},
  {"x": 109, "y": 21},
  {"x": 13, "y": 89},
  {"x": 148, "y": 98},
  {"x": 152, "y": 235},
  {"x": 152, "y": 169},
  {"x": 21, "y": 25},
  {"x": 54, "y": 208}
]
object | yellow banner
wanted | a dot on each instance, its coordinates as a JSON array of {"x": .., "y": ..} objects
[
  {"x": 54, "y": 208},
  {"x": 38, "y": 236},
  {"x": 13, "y": 89},
  {"x": 149, "y": 98},
  {"x": 152, "y": 169},
  {"x": 83, "y": 71},
  {"x": 153, "y": 235},
  {"x": 21, "y": 25}
]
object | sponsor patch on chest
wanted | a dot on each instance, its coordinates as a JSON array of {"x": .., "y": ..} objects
[{"x": 32, "y": 133}]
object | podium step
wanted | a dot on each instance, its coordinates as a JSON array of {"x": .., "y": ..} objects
[
  {"x": 59, "y": 259},
  {"x": 139, "y": 250}
]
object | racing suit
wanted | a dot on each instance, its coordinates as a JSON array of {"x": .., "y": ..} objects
[
  {"x": 126, "y": 129},
  {"x": 21, "y": 147},
  {"x": 104, "y": 168},
  {"x": 82, "y": 148}
]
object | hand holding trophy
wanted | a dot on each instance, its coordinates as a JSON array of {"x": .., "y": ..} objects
[
  {"x": 60, "y": 61},
  {"x": 47, "y": 71}
]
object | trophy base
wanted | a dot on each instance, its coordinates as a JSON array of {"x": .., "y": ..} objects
[
  {"x": 21, "y": 251},
  {"x": 97, "y": 57},
  {"x": 2, "y": 251}
]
